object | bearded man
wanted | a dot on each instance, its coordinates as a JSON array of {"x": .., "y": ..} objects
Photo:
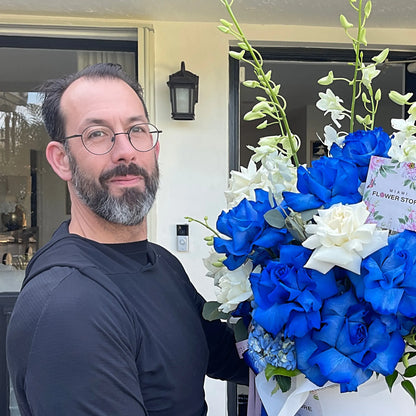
[{"x": 108, "y": 323}]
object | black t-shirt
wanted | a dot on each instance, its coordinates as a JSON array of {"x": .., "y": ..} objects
[{"x": 113, "y": 330}]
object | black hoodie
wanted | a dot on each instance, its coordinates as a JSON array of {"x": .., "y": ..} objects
[{"x": 113, "y": 329}]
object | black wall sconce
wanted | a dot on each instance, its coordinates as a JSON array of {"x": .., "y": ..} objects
[{"x": 183, "y": 87}]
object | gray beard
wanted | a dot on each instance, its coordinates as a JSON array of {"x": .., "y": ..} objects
[{"x": 130, "y": 208}]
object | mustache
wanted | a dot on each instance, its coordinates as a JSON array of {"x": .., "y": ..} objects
[{"x": 124, "y": 170}]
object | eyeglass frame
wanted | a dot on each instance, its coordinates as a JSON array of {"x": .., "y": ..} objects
[{"x": 113, "y": 139}]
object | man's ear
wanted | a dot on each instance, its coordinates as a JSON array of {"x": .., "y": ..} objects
[
  {"x": 157, "y": 150},
  {"x": 58, "y": 159}
]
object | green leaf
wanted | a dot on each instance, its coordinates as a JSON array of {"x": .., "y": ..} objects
[
  {"x": 409, "y": 388},
  {"x": 391, "y": 379},
  {"x": 210, "y": 311},
  {"x": 271, "y": 371},
  {"x": 240, "y": 331},
  {"x": 275, "y": 218},
  {"x": 285, "y": 383},
  {"x": 410, "y": 371}
]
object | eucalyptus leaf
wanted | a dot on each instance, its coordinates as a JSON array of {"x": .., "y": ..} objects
[
  {"x": 297, "y": 230},
  {"x": 240, "y": 331},
  {"x": 275, "y": 218},
  {"x": 210, "y": 311},
  {"x": 308, "y": 214}
]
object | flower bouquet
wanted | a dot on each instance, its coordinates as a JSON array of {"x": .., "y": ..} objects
[{"x": 323, "y": 290}]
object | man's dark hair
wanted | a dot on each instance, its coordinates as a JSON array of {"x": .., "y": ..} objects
[{"x": 54, "y": 89}]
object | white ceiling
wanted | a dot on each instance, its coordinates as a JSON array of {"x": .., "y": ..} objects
[{"x": 386, "y": 13}]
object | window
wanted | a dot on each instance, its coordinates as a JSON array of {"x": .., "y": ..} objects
[{"x": 297, "y": 70}]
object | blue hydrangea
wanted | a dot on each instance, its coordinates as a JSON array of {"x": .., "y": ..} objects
[{"x": 265, "y": 349}]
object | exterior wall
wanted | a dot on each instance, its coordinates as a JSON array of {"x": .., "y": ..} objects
[{"x": 194, "y": 154}]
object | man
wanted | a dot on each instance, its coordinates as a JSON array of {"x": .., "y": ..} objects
[{"x": 108, "y": 323}]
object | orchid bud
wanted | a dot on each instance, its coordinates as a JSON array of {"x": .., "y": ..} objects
[
  {"x": 381, "y": 57},
  {"x": 253, "y": 115},
  {"x": 400, "y": 98},
  {"x": 237, "y": 55},
  {"x": 345, "y": 23},
  {"x": 328, "y": 80}
]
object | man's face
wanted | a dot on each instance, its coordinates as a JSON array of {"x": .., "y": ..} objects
[{"x": 119, "y": 186}]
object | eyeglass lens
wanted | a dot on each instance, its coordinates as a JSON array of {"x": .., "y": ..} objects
[{"x": 100, "y": 139}]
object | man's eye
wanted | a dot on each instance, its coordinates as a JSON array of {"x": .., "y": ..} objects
[
  {"x": 137, "y": 129},
  {"x": 97, "y": 134}
]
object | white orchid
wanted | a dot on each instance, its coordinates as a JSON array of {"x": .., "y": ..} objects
[
  {"x": 368, "y": 74},
  {"x": 330, "y": 103},
  {"x": 282, "y": 174},
  {"x": 244, "y": 182},
  {"x": 214, "y": 265},
  {"x": 331, "y": 136},
  {"x": 341, "y": 237},
  {"x": 403, "y": 144}
]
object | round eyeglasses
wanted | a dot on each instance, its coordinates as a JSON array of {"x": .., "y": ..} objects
[{"x": 99, "y": 140}]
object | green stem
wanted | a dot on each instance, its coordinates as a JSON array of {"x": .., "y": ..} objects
[
  {"x": 261, "y": 75},
  {"x": 205, "y": 224},
  {"x": 357, "y": 63}
]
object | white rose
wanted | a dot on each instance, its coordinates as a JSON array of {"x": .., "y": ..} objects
[
  {"x": 341, "y": 238},
  {"x": 234, "y": 287}
]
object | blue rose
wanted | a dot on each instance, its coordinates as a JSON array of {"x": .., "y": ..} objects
[
  {"x": 387, "y": 279},
  {"x": 353, "y": 342},
  {"x": 326, "y": 183},
  {"x": 359, "y": 146},
  {"x": 247, "y": 229},
  {"x": 288, "y": 297}
]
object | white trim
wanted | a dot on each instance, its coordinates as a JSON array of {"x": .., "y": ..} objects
[{"x": 78, "y": 32}]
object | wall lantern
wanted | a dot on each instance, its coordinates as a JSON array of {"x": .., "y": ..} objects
[{"x": 183, "y": 87}]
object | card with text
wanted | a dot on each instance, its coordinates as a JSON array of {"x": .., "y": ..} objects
[{"x": 390, "y": 194}]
